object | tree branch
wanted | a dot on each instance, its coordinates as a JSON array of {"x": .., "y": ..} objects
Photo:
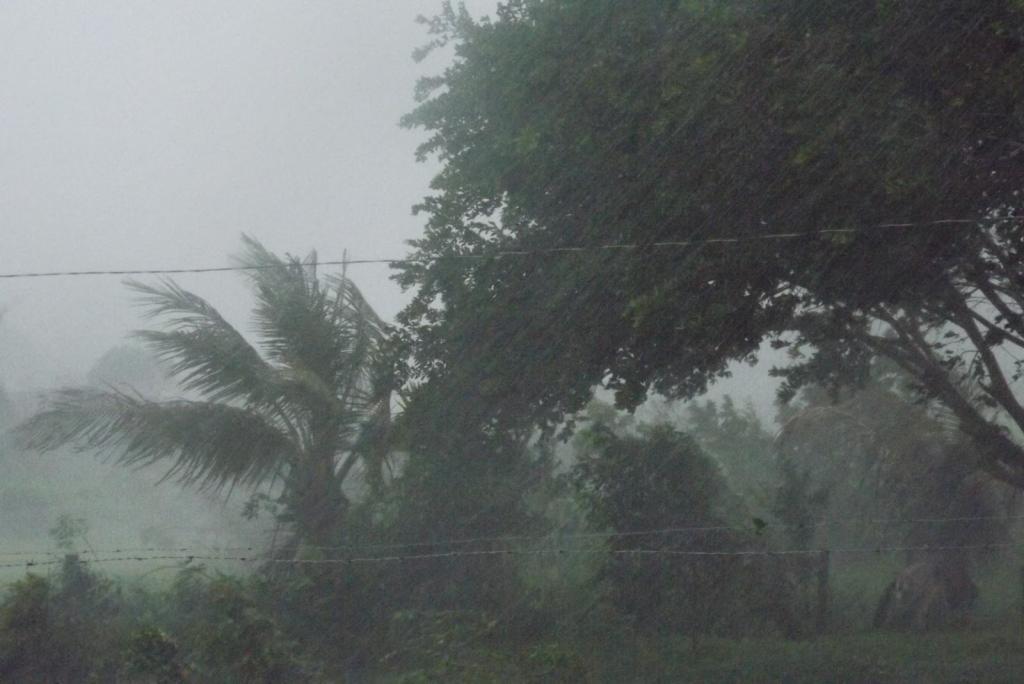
[
  {"x": 997, "y": 388},
  {"x": 1013, "y": 318},
  {"x": 1002, "y": 457}
]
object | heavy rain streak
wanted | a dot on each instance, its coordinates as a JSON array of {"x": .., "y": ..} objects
[{"x": 512, "y": 341}]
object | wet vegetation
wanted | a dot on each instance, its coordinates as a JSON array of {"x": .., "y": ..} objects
[{"x": 528, "y": 476}]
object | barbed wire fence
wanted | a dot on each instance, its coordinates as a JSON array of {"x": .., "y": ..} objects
[{"x": 363, "y": 553}]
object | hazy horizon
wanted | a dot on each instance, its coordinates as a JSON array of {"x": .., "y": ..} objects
[{"x": 151, "y": 135}]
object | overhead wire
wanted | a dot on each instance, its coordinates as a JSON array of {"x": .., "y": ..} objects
[{"x": 498, "y": 254}]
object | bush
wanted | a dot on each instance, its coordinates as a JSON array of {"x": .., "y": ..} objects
[
  {"x": 66, "y": 629},
  {"x": 226, "y": 635}
]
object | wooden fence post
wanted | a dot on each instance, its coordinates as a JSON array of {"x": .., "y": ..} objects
[
  {"x": 824, "y": 595},
  {"x": 1022, "y": 595}
]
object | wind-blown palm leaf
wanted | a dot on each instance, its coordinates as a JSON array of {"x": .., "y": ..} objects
[
  {"x": 209, "y": 445},
  {"x": 206, "y": 353},
  {"x": 377, "y": 437},
  {"x": 292, "y": 312},
  {"x": 360, "y": 333},
  {"x": 350, "y": 306},
  {"x": 211, "y": 357}
]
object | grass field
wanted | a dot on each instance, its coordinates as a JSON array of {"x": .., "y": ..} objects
[
  {"x": 970, "y": 656},
  {"x": 988, "y": 655}
]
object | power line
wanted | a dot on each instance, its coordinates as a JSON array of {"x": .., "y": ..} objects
[{"x": 345, "y": 262}]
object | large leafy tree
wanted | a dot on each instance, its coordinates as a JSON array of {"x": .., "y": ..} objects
[
  {"x": 661, "y": 479},
  {"x": 300, "y": 410},
  {"x": 712, "y": 125},
  {"x": 660, "y": 488},
  {"x": 741, "y": 444}
]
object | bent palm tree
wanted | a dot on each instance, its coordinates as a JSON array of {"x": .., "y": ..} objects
[{"x": 294, "y": 411}]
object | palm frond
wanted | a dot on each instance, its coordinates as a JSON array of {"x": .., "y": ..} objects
[
  {"x": 350, "y": 304},
  {"x": 292, "y": 312},
  {"x": 206, "y": 353},
  {"x": 324, "y": 331},
  {"x": 208, "y": 445},
  {"x": 360, "y": 333}
]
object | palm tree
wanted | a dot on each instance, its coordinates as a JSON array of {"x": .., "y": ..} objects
[{"x": 298, "y": 411}]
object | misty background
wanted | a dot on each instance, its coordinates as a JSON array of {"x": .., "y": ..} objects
[{"x": 151, "y": 135}]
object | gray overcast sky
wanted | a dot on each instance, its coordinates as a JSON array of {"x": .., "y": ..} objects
[{"x": 140, "y": 134}]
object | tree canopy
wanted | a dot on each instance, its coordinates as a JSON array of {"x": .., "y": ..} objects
[{"x": 569, "y": 127}]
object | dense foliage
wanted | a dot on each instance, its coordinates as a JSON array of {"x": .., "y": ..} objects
[{"x": 568, "y": 124}]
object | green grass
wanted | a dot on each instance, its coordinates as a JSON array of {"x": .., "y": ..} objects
[
  {"x": 990, "y": 656},
  {"x": 856, "y": 587},
  {"x": 970, "y": 656}
]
